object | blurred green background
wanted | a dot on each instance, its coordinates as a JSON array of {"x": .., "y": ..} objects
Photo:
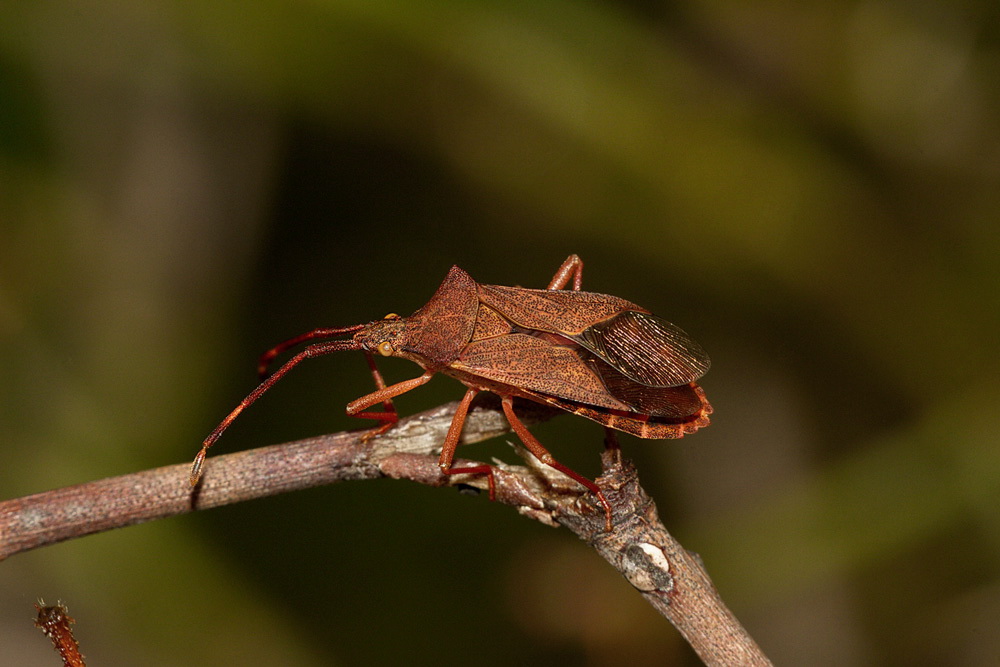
[{"x": 810, "y": 190}]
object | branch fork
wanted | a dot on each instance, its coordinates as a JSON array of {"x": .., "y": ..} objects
[{"x": 672, "y": 579}]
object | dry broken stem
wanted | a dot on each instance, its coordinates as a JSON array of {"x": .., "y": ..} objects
[{"x": 668, "y": 576}]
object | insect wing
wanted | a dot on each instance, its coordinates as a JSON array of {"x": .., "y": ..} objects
[
  {"x": 669, "y": 402},
  {"x": 643, "y": 426},
  {"x": 565, "y": 312},
  {"x": 646, "y": 349},
  {"x": 536, "y": 366}
]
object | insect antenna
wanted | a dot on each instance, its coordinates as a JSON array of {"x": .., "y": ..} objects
[
  {"x": 311, "y": 351},
  {"x": 264, "y": 363}
]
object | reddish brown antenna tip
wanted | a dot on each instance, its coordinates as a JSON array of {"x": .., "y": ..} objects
[{"x": 197, "y": 466}]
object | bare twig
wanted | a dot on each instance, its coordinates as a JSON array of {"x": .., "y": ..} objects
[
  {"x": 669, "y": 577},
  {"x": 55, "y": 622}
]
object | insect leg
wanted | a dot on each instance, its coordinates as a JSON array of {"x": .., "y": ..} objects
[
  {"x": 389, "y": 416},
  {"x": 611, "y": 438},
  {"x": 572, "y": 266},
  {"x": 451, "y": 442},
  {"x": 358, "y": 407},
  {"x": 383, "y": 395},
  {"x": 543, "y": 455},
  {"x": 317, "y": 350},
  {"x": 611, "y": 445}
]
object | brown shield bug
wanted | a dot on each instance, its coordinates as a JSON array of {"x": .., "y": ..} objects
[{"x": 591, "y": 354}]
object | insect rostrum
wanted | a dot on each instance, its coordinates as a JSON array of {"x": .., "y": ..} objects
[{"x": 591, "y": 354}]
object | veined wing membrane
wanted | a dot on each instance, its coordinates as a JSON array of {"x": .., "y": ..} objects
[
  {"x": 646, "y": 349},
  {"x": 670, "y": 402}
]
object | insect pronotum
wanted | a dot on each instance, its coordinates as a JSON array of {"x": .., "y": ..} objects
[{"x": 591, "y": 354}]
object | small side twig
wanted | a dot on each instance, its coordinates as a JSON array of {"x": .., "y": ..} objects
[
  {"x": 55, "y": 622},
  {"x": 639, "y": 546}
]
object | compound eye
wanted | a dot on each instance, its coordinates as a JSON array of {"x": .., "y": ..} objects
[{"x": 385, "y": 349}]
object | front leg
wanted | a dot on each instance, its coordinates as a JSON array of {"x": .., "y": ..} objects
[{"x": 384, "y": 395}]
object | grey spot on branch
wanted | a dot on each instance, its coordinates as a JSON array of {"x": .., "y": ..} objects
[{"x": 646, "y": 567}]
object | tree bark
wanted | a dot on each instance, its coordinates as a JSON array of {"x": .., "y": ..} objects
[{"x": 672, "y": 579}]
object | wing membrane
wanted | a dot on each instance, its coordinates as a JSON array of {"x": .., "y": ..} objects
[
  {"x": 646, "y": 349},
  {"x": 671, "y": 402}
]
